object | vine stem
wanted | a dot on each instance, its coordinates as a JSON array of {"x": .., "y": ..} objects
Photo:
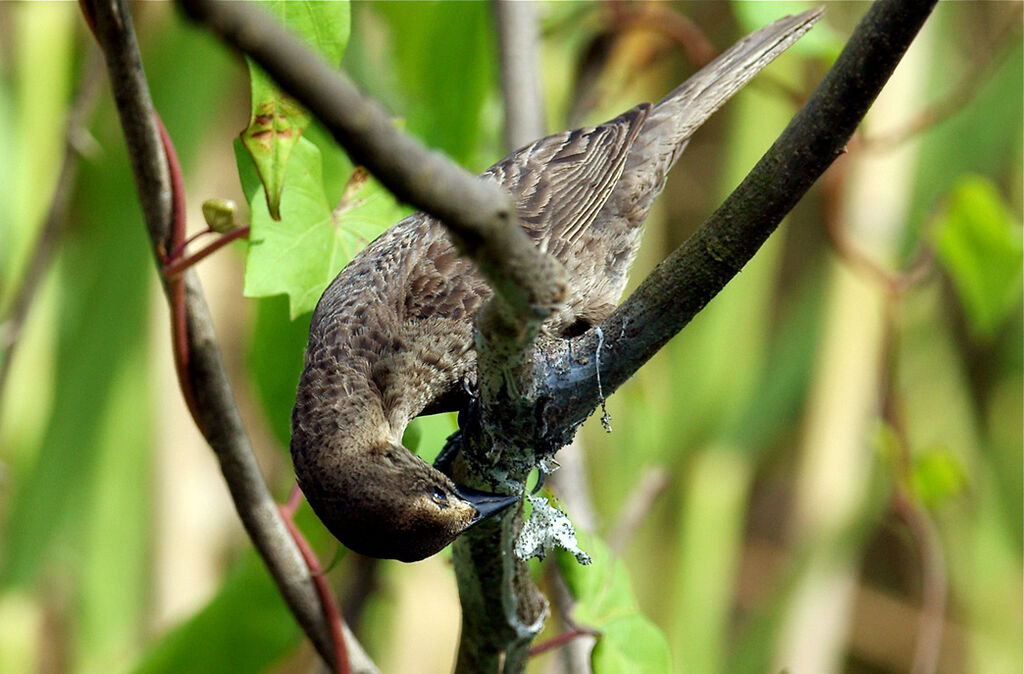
[
  {"x": 331, "y": 612},
  {"x": 200, "y": 367}
]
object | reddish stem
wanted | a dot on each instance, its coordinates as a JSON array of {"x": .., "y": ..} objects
[
  {"x": 323, "y": 590},
  {"x": 176, "y": 285},
  {"x": 562, "y": 639},
  {"x": 294, "y": 499},
  {"x": 176, "y": 265},
  {"x": 179, "y": 251}
]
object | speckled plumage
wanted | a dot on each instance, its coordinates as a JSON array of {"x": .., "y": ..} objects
[{"x": 392, "y": 336}]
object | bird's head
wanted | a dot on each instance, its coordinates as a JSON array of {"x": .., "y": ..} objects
[{"x": 388, "y": 503}]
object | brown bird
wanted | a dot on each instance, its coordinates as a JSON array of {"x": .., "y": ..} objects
[{"x": 392, "y": 336}]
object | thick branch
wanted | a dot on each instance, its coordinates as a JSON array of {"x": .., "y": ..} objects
[
  {"x": 217, "y": 414},
  {"x": 477, "y": 213},
  {"x": 502, "y": 609},
  {"x": 687, "y": 280}
]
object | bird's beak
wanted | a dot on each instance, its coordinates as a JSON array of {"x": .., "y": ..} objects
[{"x": 485, "y": 504}]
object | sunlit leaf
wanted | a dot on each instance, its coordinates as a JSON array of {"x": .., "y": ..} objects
[
  {"x": 629, "y": 642},
  {"x": 302, "y": 252},
  {"x": 979, "y": 244},
  {"x": 276, "y": 120}
]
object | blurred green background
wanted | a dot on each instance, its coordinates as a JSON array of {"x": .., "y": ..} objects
[{"x": 821, "y": 469}]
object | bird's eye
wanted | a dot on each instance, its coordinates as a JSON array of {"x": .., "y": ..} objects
[{"x": 439, "y": 497}]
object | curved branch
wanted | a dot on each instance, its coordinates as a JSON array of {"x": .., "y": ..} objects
[
  {"x": 687, "y": 280},
  {"x": 216, "y": 413}
]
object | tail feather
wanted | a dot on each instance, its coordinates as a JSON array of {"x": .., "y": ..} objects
[
  {"x": 674, "y": 119},
  {"x": 663, "y": 138}
]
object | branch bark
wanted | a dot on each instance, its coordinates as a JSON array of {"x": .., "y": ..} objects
[
  {"x": 217, "y": 414},
  {"x": 502, "y": 609}
]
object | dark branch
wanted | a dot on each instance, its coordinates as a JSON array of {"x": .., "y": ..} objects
[
  {"x": 502, "y": 610},
  {"x": 687, "y": 280},
  {"x": 217, "y": 414}
]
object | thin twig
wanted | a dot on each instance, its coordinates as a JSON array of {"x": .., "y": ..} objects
[
  {"x": 175, "y": 267},
  {"x": 641, "y": 499},
  {"x": 331, "y": 613},
  {"x": 894, "y": 282},
  {"x": 669, "y": 22},
  {"x": 56, "y": 218},
  {"x": 928, "y": 647},
  {"x": 562, "y": 639},
  {"x": 176, "y": 286},
  {"x": 520, "y": 81}
]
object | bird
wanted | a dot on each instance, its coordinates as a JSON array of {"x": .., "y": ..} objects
[{"x": 392, "y": 335}]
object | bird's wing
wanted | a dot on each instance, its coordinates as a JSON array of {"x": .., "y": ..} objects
[{"x": 561, "y": 182}]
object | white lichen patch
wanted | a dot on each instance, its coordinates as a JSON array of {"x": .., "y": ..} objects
[{"x": 547, "y": 527}]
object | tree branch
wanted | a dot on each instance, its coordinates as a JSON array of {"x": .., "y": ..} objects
[
  {"x": 502, "y": 609},
  {"x": 216, "y": 413},
  {"x": 687, "y": 280}
]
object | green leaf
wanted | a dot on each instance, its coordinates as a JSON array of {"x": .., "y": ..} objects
[
  {"x": 303, "y": 251},
  {"x": 979, "y": 245},
  {"x": 275, "y": 360},
  {"x": 430, "y": 42},
  {"x": 937, "y": 476},
  {"x": 246, "y": 627},
  {"x": 276, "y": 120},
  {"x": 629, "y": 642}
]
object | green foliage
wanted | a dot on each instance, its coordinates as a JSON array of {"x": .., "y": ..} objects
[
  {"x": 246, "y": 627},
  {"x": 936, "y": 477},
  {"x": 443, "y": 54},
  {"x": 628, "y": 642},
  {"x": 980, "y": 246},
  {"x": 276, "y": 120},
  {"x": 302, "y": 252},
  {"x": 299, "y": 241}
]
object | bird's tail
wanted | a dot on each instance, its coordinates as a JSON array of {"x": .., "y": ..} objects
[{"x": 674, "y": 119}]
